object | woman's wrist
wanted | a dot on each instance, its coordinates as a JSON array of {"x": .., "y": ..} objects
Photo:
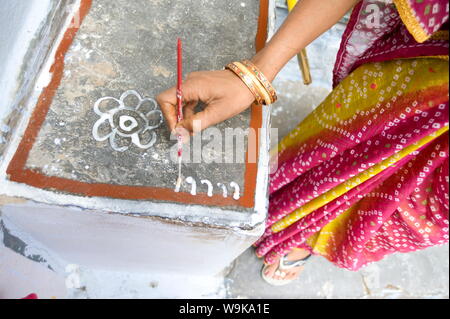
[
  {"x": 255, "y": 80},
  {"x": 266, "y": 64},
  {"x": 272, "y": 59}
]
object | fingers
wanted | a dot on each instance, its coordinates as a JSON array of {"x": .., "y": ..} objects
[
  {"x": 167, "y": 101},
  {"x": 189, "y": 109},
  {"x": 211, "y": 115},
  {"x": 196, "y": 122},
  {"x": 224, "y": 95}
]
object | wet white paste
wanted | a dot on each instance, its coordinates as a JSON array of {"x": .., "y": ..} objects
[
  {"x": 224, "y": 189},
  {"x": 127, "y": 123},
  {"x": 210, "y": 186},
  {"x": 237, "y": 190},
  {"x": 235, "y": 186},
  {"x": 130, "y": 126},
  {"x": 191, "y": 180}
]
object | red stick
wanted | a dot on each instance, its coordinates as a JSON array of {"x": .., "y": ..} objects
[{"x": 179, "y": 90}]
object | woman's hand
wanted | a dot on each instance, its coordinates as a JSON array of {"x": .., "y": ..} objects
[{"x": 223, "y": 93}]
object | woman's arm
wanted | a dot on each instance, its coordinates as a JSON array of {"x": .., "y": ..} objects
[
  {"x": 308, "y": 20},
  {"x": 224, "y": 94}
]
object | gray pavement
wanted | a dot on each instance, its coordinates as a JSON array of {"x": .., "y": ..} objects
[{"x": 422, "y": 274}]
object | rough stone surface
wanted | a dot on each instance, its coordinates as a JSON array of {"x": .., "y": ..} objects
[{"x": 125, "y": 45}]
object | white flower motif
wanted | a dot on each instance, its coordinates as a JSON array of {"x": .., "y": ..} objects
[{"x": 130, "y": 119}]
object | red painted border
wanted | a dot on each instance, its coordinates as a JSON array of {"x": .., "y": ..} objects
[{"x": 17, "y": 171}]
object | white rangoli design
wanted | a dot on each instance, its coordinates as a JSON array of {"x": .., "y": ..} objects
[
  {"x": 235, "y": 186},
  {"x": 191, "y": 180},
  {"x": 237, "y": 191},
  {"x": 127, "y": 121},
  {"x": 210, "y": 186},
  {"x": 224, "y": 189}
]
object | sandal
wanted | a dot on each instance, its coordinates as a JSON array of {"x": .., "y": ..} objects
[{"x": 283, "y": 264}]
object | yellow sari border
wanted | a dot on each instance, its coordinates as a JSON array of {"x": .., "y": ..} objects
[
  {"x": 410, "y": 21},
  {"x": 353, "y": 182},
  {"x": 309, "y": 127}
]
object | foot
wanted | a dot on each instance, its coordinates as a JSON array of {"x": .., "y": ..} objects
[{"x": 273, "y": 271}]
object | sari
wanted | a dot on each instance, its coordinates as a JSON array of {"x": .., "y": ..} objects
[{"x": 366, "y": 174}]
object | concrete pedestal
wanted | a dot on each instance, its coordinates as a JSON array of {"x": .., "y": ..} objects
[{"x": 91, "y": 162}]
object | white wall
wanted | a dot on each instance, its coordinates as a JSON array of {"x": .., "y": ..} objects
[
  {"x": 19, "y": 22},
  {"x": 115, "y": 242}
]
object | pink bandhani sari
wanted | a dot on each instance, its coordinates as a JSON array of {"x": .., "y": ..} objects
[{"x": 366, "y": 174}]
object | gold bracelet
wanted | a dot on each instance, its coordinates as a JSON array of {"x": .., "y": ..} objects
[
  {"x": 267, "y": 100},
  {"x": 248, "y": 81},
  {"x": 262, "y": 79}
]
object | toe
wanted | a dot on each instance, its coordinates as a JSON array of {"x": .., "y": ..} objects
[
  {"x": 291, "y": 276},
  {"x": 296, "y": 273},
  {"x": 270, "y": 270}
]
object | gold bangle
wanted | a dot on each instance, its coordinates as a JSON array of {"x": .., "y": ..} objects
[
  {"x": 247, "y": 81},
  {"x": 267, "y": 100},
  {"x": 262, "y": 79}
]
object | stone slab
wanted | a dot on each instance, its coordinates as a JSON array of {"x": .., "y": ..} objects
[{"x": 122, "y": 46}]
